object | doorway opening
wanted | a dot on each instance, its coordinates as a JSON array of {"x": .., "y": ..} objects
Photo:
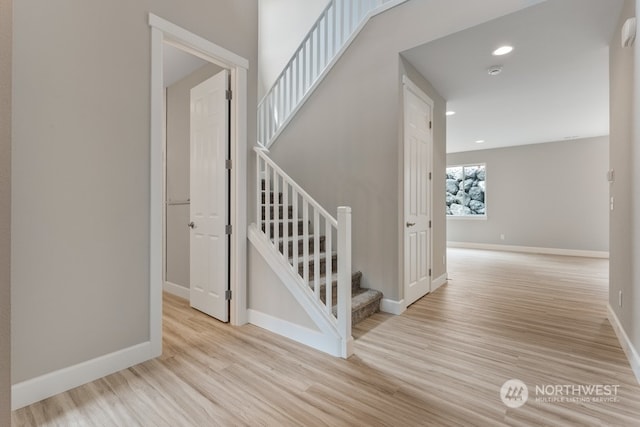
[{"x": 198, "y": 178}]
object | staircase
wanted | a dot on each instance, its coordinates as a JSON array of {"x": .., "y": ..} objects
[{"x": 364, "y": 302}]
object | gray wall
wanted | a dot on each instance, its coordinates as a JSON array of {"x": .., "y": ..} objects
[
  {"x": 343, "y": 147},
  {"x": 551, "y": 195},
  {"x": 624, "y": 238},
  {"x": 80, "y": 255},
  {"x": 178, "y": 136},
  {"x": 5, "y": 211}
]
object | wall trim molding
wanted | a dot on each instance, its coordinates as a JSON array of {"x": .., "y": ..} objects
[
  {"x": 295, "y": 332},
  {"x": 438, "y": 281},
  {"x": 36, "y": 389},
  {"x": 392, "y": 306},
  {"x": 529, "y": 249},
  {"x": 177, "y": 290},
  {"x": 625, "y": 342}
]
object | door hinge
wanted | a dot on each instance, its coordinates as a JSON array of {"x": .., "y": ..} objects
[
  {"x": 228, "y": 164},
  {"x": 228, "y": 229},
  {"x": 228, "y": 94},
  {"x": 227, "y": 295},
  {"x": 429, "y": 224},
  {"x": 429, "y": 175},
  {"x": 429, "y": 272},
  {"x": 430, "y": 124}
]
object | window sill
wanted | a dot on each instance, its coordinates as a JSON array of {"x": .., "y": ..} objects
[{"x": 471, "y": 217}]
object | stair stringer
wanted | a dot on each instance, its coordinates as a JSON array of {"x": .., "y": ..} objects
[{"x": 328, "y": 339}]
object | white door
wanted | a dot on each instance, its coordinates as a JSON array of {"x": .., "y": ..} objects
[
  {"x": 417, "y": 193},
  {"x": 209, "y": 197}
]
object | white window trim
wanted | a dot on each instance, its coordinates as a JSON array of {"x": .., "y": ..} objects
[{"x": 470, "y": 217}]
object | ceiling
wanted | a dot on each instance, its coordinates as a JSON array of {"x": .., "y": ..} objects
[
  {"x": 178, "y": 64},
  {"x": 554, "y": 84}
]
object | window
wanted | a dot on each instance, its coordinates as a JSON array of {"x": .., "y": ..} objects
[{"x": 466, "y": 191}]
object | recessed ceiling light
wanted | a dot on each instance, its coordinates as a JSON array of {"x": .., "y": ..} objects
[
  {"x": 450, "y": 113},
  {"x": 502, "y": 50},
  {"x": 480, "y": 141}
]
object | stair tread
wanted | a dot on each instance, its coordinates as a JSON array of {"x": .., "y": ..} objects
[
  {"x": 322, "y": 254},
  {"x": 362, "y": 298}
]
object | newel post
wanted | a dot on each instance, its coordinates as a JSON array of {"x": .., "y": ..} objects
[{"x": 344, "y": 278}]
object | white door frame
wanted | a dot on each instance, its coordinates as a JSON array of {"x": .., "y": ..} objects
[
  {"x": 162, "y": 32},
  {"x": 408, "y": 84}
]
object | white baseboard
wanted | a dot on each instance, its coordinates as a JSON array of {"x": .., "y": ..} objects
[
  {"x": 44, "y": 386},
  {"x": 625, "y": 342},
  {"x": 439, "y": 281},
  {"x": 309, "y": 337},
  {"x": 529, "y": 249},
  {"x": 392, "y": 306},
  {"x": 177, "y": 290}
]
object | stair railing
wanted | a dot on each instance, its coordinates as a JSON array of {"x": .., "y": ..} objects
[
  {"x": 334, "y": 30},
  {"x": 294, "y": 222}
]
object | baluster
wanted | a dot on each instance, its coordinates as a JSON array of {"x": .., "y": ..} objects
[
  {"x": 316, "y": 253},
  {"x": 305, "y": 240},
  {"x": 285, "y": 217},
  {"x": 303, "y": 54},
  {"x": 276, "y": 213},
  {"x": 267, "y": 200},
  {"x": 329, "y": 275},
  {"x": 326, "y": 39},
  {"x": 295, "y": 215},
  {"x": 312, "y": 49},
  {"x": 259, "y": 204},
  {"x": 333, "y": 29}
]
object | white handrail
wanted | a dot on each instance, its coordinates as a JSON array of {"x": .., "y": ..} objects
[
  {"x": 277, "y": 195},
  {"x": 329, "y": 36}
]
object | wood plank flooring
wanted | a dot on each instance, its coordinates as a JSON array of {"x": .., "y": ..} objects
[{"x": 538, "y": 318}]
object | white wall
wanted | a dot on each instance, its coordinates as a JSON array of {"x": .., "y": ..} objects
[
  {"x": 80, "y": 177},
  {"x": 178, "y": 137},
  {"x": 551, "y": 195},
  {"x": 5, "y": 211},
  {"x": 344, "y": 145},
  {"x": 625, "y": 160},
  {"x": 283, "y": 25}
]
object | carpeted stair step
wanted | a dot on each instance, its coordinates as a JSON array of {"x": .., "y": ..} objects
[
  {"x": 355, "y": 285},
  {"x": 323, "y": 264},
  {"x": 364, "y": 303},
  {"x": 300, "y": 245},
  {"x": 290, "y": 223}
]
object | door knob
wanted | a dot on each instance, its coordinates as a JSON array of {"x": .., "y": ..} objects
[
  {"x": 410, "y": 224},
  {"x": 192, "y": 225}
]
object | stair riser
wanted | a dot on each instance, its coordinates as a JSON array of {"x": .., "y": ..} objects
[
  {"x": 355, "y": 284},
  {"x": 280, "y": 211},
  {"x": 290, "y": 225},
  {"x": 272, "y": 197},
  {"x": 362, "y": 313},
  {"x": 323, "y": 266},
  {"x": 300, "y": 246}
]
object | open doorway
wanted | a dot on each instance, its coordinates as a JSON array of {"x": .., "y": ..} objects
[{"x": 207, "y": 94}]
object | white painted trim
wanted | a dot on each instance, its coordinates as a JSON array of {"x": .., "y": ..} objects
[
  {"x": 392, "y": 307},
  {"x": 625, "y": 342},
  {"x": 285, "y": 272},
  {"x": 438, "y": 281},
  {"x": 530, "y": 250},
  {"x": 409, "y": 85},
  {"x": 47, "y": 385},
  {"x": 325, "y": 323},
  {"x": 177, "y": 290},
  {"x": 163, "y": 31},
  {"x": 309, "y": 337}
]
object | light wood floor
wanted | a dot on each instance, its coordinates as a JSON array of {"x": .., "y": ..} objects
[{"x": 540, "y": 319}]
